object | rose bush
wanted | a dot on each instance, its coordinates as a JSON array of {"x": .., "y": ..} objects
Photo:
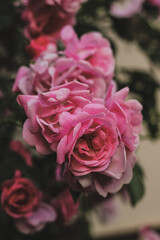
[{"x": 19, "y": 196}]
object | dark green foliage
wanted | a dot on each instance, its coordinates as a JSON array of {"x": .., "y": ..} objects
[{"x": 136, "y": 187}]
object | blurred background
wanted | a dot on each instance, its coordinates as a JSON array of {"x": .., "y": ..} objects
[{"x": 136, "y": 42}]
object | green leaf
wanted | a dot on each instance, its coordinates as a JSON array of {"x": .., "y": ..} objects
[{"x": 136, "y": 187}]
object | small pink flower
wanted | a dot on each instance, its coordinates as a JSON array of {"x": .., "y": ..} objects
[
  {"x": 47, "y": 17},
  {"x": 126, "y": 9},
  {"x": 38, "y": 45},
  {"x": 19, "y": 196},
  {"x": 19, "y": 148},
  {"x": 37, "y": 220},
  {"x": 92, "y": 48},
  {"x": 147, "y": 233},
  {"x": 50, "y": 114},
  {"x": 65, "y": 207}
]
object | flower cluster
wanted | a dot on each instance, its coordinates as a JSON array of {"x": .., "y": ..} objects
[
  {"x": 73, "y": 110},
  {"x": 77, "y": 113}
]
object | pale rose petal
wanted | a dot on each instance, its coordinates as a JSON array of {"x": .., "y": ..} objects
[
  {"x": 44, "y": 214},
  {"x": 21, "y": 74},
  {"x": 86, "y": 180},
  {"x": 35, "y": 140},
  {"x": 61, "y": 150},
  {"x": 118, "y": 163},
  {"x": 126, "y": 10},
  {"x": 68, "y": 35}
]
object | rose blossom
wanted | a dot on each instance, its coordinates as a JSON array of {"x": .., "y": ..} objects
[
  {"x": 147, "y": 233},
  {"x": 91, "y": 48},
  {"x": 38, "y": 45},
  {"x": 49, "y": 114},
  {"x": 37, "y": 220},
  {"x": 65, "y": 207},
  {"x": 47, "y": 17},
  {"x": 99, "y": 147},
  {"x": 39, "y": 76},
  {"x": 96, "y": 156},
  {"x": 127, "y": 9},
  {"x": 19, "y": 196}
]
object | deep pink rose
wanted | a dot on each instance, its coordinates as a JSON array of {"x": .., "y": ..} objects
[
  {"x": 39, "y": 76},
  {"x": 65, "y": 207},
  {"x": 38, "y": 45},
  {"x": 92, "y": 48},
  {"x": 19, "y": 148},
  {"x": 98, "y": 149},
  {"x": 47, "y": 17},
  {"x": 37, "y": 220},
  {"x": 19, "y": 196},
  {"x": 147, "y": 233},
  {"x": 49, "y": 114},
  {"x": 94, "y": 152}
]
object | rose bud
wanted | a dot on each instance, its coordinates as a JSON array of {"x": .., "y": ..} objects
[{"x": 19, "y": 196}]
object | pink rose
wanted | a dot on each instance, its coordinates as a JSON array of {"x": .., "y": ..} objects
[
  {"x": 147, "y": 233},
  {"x": 92, "y": 48},
  {"x": 39, "y": 76},
  {"x": 98, "y": 149},
  {"x": 47, "y": 17},
  {"x": 94, "y": 151},
  {"x": 38, "y": 45},
  {"x": 37, "y": 220},
  {"x": 65, "y": 207},
  {"x": 49, "y": 114},
  {"x": 19, "y": 148},
  {"x": 19, "y": 196}
]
